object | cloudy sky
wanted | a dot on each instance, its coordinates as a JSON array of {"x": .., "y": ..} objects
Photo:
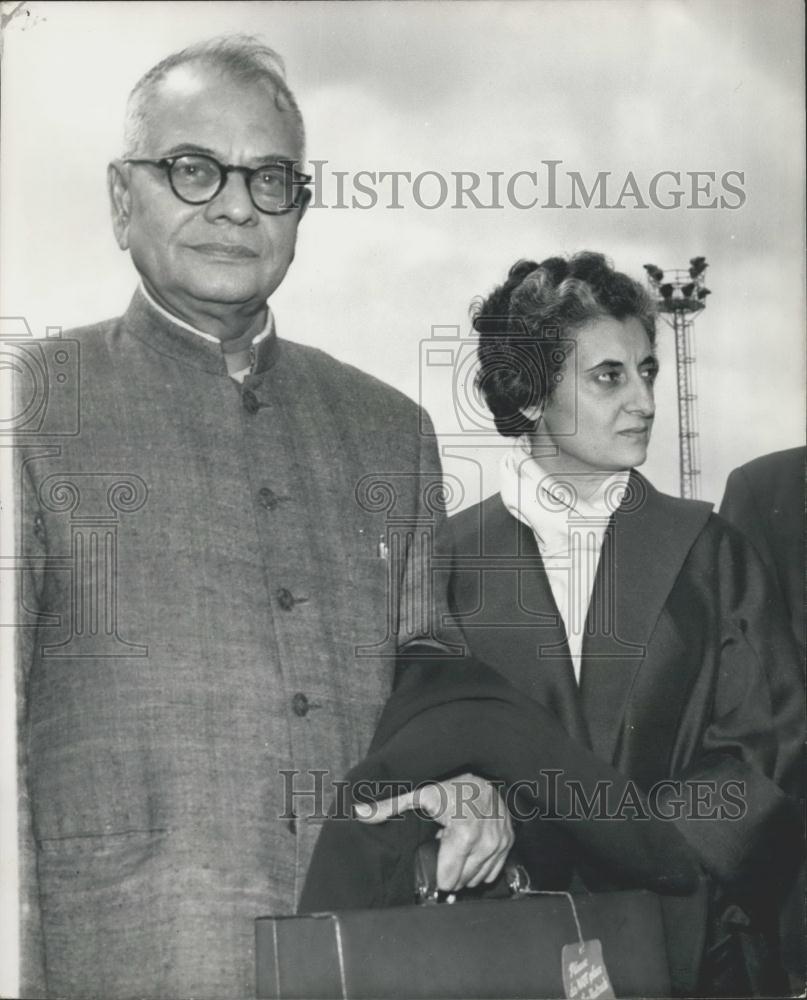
[{"x": 622, "y": 86}]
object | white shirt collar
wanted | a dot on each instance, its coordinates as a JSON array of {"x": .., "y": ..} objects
[
  {"x": 264, "y": 333},
  {"x": 550, "y": 503}
]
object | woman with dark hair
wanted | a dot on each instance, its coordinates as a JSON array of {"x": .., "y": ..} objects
[
  {"x": 619, "y": 638},
  {"x": 525, "y": 325},
  {"x": 567, "y": 366}
]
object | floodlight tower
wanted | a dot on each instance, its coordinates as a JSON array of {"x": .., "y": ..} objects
[{"x": 680, "y": 297}]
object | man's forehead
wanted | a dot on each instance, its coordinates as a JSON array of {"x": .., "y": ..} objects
[
  {"x": 199, "y": 104},
  {"x": 191, "y": 83},
  {"x": 184, "y": 82}
]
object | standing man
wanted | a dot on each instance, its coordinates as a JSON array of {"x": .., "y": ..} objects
[
  {"x": 765, "y": 499},
  {"x": 205, "y": 561}
]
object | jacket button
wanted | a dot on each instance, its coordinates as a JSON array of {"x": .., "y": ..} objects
[
  {"x": 299, "y": 704},
  {"x": 250, "y": 401},
  {"x": 268, "y": 498},
  {"x": 285, "y": 599}
]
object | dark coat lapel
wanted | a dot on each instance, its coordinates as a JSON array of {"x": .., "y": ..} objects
[
  {"x": 518, "y": 629},
  {"x": 647, "y": 542}
]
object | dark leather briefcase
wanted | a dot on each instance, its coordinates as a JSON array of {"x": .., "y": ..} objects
[{"x": 536, "y": 945}]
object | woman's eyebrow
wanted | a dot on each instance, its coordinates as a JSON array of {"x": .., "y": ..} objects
[{"x": 606, "y": 363}]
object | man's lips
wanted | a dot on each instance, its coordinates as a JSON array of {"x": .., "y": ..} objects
[
  {"x": 234, "y": 250},
  {"x": 636, "y": 431}
]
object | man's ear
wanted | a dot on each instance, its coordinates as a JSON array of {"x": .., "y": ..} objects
[{"x": 120, "y": 201}]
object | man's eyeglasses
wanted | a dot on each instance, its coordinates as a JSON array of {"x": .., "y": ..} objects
[{"x": 275, "y": 188}]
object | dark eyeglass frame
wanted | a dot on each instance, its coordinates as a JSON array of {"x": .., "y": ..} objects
[{"x": 298, "y": 179}]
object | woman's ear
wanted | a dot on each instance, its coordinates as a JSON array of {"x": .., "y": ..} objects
[{"x": 533, "y": 413}]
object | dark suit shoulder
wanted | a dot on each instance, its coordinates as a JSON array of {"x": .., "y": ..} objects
[
  {"x": 667, "y": 521},
  {"x": 94, "y": 332},
  {"x": 779, "y": 465},
  {"x": 382, "y": 428},
  {"x": 671, "y": 517},
  {"x": 478, "y": 529},
  {"x": 641, "y": 492},
  {"x": 470, "y": 517},
  {"x": 95, "y": 338},
  {"x": 765, "y": 499},
  {"x": 96, "y": 329},
  {"x": 723, "y": 554},
  {"x": 765, "y": 490},
  {"x": 347, "y": 381}
]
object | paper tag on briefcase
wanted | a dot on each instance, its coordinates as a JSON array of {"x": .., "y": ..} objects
[{"x": 584, "y": 974}]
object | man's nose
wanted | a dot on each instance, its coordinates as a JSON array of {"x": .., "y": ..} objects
[{"x": 233, "y": 203}]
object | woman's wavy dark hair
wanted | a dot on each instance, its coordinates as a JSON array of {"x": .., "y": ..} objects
[{"x": 523, "y": 323}]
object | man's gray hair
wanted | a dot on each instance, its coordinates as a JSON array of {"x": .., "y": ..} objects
[{"x": 243, "y": 58}]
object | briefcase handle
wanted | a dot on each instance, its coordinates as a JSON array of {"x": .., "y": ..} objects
[{"x": 513, "y": 883}]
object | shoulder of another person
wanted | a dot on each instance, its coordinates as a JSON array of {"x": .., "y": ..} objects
[
  {"x": 790, "y": 460},
  {"x": 774, "y": 480}
]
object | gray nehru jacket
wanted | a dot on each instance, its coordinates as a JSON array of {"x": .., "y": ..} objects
[{"x": 206, "y": 560}]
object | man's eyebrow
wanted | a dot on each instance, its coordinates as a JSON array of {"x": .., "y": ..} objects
[{"x": 191, "y": 147}]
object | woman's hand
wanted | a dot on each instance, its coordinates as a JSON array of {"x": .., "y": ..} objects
[{"x": 477, "y": 831}]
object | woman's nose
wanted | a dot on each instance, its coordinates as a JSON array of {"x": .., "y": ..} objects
[{"x": 642, "y": 399}]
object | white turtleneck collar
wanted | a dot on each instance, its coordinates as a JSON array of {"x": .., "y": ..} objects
[{"x": 568, "y": 530}]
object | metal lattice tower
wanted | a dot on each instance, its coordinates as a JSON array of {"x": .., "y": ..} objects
[{"x": 680, "y": 296}]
